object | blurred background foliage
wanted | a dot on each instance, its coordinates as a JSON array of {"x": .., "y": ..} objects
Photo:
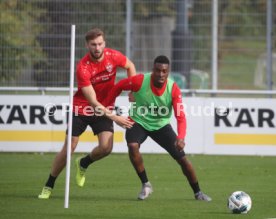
[{"x": 35, "y": 34}]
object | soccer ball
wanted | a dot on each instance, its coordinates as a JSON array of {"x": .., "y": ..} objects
[{"x": 239, "y": 202}]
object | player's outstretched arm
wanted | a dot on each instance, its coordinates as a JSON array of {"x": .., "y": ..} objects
[
  {"x": 122, "y": 85},
  {"x": 99, "y": 109}
]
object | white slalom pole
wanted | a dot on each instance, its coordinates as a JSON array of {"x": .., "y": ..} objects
[
  {"x": 69, "y": 134},
  {"x": 215, "y": 44}
]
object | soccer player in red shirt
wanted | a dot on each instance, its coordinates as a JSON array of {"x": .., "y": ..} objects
[
  {"x": 154, "y": 98},
  {"x": 96, "y": 73}
]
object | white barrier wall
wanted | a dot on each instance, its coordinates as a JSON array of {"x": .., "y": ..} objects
[{"x": 214, "y": 126}]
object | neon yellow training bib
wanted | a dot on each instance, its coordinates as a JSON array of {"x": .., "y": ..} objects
[{"x": 151, "y": 111}]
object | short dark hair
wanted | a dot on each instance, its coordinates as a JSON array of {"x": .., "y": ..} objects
[
  {"x": 162, "y": 59},
  {"x": 94, "y": 33}
]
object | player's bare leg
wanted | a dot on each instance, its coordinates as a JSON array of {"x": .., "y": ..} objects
[
  {"x": 187, "y": 169},
  {"x": 102, "y": 150},
  {"x": 189, "y": 172},
  {"x": 136, "y": 157},
  {"x": 138, "y": 164},
  {"x": 58, "y": 165},
  {"x": 105, "y": 146},
  {"x": 60, "y": 160}
]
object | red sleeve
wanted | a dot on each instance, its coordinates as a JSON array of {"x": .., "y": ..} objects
[
  {"x": 179, "y": 112},
  {"x": 119, "y": 58},
  {"x": 83, "y": 75},
  {"x": 128, "y": 84}
]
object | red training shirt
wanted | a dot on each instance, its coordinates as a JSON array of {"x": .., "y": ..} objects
[{"x": 100, "y": 74}]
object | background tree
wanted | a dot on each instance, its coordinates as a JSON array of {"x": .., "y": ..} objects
[
  {"x": 56, "y": 36},
  {"x": 19, "y": 46}
]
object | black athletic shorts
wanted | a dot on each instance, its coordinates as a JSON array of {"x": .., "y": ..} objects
[
  {"x": 98, "y": 124},
  {"x": 165, "y": 137}
]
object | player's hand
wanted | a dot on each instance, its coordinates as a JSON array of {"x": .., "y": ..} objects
[
  {"x": 179, "y": 144},
  {"x": 131, "y": 97},
  {"x": 124, "y": 122}
]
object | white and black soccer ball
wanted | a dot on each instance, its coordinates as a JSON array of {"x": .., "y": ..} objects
[{"x": 239, "y": 202}]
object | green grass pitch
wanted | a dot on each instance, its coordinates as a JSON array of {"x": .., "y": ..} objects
[{"x": 112, "y": 186}]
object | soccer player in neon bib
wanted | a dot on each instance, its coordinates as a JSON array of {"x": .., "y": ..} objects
[{"x": 155, "y": 95}]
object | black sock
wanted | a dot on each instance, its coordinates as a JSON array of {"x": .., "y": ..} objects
[
  {"x": 86, "y": 161},
  {"x": 51, "y": 181},
  {"x": 143, "y": 176},
  {"x": 195, "y": 187}
]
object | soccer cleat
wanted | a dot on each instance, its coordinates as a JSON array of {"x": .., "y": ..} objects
[
  {"x": 45, "y": 193},
  {"x": 146, "y": 191},
  {"x": 80, "y": 176},
  {"x": 202, "y": 197}
]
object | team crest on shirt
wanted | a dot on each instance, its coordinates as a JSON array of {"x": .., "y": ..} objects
[
  {"x": 109, "y": 67},
  {"x": 93, "y": 72}
]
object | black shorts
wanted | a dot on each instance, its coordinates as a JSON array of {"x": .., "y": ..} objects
[
  {"x": 165, "y": 137},
  {"x": 98, "y": 124}
]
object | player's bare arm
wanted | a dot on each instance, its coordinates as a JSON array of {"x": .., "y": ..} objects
[
  {"x": 90, "y": 95},
  {"x": 131, "y": 71},
  {"x": 130, "y": 67}
]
